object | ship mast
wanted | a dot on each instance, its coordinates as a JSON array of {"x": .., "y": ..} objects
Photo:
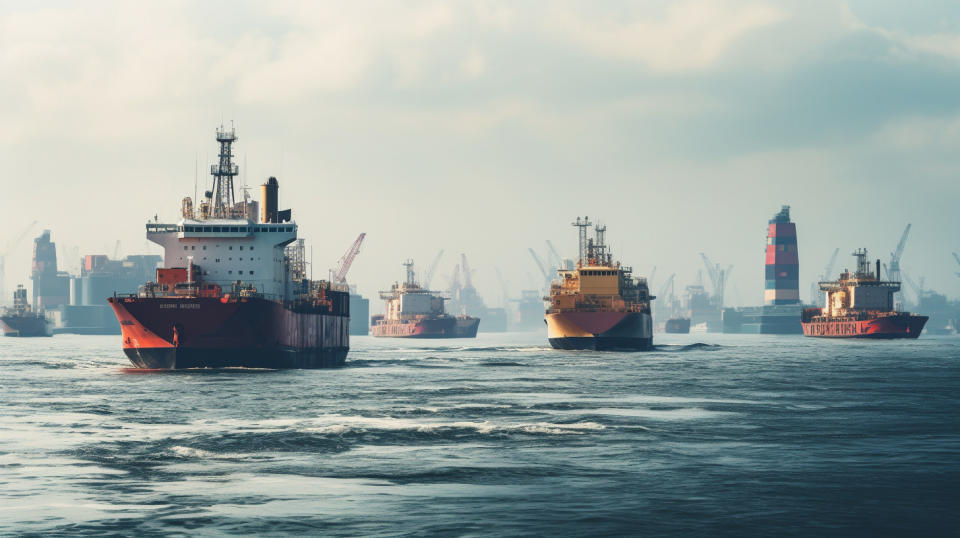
[
  {"x": 409, "y": 266},
  {"x": 582, "y": 225},
  {"x": 223, "y": 174}
]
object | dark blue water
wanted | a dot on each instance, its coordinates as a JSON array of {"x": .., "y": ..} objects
[{"x": 744, "y": 435}]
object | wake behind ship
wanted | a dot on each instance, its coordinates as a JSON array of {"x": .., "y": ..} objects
[
  {"x": 860, "y": 305},
  {"x": 415, "y": 312},
  {"x": 234, "y": 290},
  {"x": 599, "y": 305}
]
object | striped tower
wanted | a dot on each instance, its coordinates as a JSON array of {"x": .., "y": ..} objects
[{"x": 783, "y": 265}]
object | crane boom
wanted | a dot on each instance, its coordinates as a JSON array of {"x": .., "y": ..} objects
[
  {"x": 554, "y": 255},
  {"x": 543, "y": 270},
  {"x": 345, "y": 261},
  {"x": 433, "y": 269},
  {"x": 3, "y": 255},
  {"x": 828, "y": 270},
  {"x": 666, "y": 285},
  {"x": 712, "y": 271},
  {"x": 956, "y": 257},
  {"x": 465, "y": 267}
]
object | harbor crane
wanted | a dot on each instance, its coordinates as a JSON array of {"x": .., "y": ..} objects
[
  {"x": 956, "y": 257},
  {"x": 339, "y": 275},
  {"x": 893, "y": 268},
  {"x": 827, "y": 271},
  {"x": 718, "y": 278},
  {"x": 465, "y": 267},
  {"x": 8, "y": 248},
  {"x": 547, "y": 277},
  {"x": 432, "y": 270},
  {"x": 554, "y": 256},
  {"x": 667, "y": 285}
]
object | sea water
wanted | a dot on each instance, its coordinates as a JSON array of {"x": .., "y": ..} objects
[{"x": 498, "y": 435}]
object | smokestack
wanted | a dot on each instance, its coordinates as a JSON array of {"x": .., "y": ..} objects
[
  {"x": 878, "y": 268},
  {"x": 268, "y": 197}
]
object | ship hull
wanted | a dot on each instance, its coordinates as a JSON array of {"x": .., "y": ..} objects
[
  {"x": 177, "y": 333},
  {"x": 25, "y": 326},
  {"x": 466, "y": 327},
  {"x": 887, "y": 327},
  {"x": 445, "y": 327},
  {"x": 600, "y": 331}
]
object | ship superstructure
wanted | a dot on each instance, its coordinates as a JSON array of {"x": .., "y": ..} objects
[
  {"x": 861, "y": 305},
  {"x": 234, "y": 289},
  {"x": 598, "y": 304},
  {"x": 415, "y": 312}
]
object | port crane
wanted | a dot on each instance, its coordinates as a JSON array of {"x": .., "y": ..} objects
[
  {"x": 339, "y": 275},
  {"x": 827, "y": 271},
  {"x": 547, "y": 277},
  {"x": 893, "y": 268},
  {"x": 465, "y": 267},
  {"x": 718, "y": 278},
  {"x": 503, "y": 287},
  {"x": 956, "y": 257},
  {"x": 554, "y": 256},
  {"x": 8, "y": 248},
  {"x": 432, "y": 270}
]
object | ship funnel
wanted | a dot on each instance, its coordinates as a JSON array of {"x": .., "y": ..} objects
[{"x": 268, "y": 197}]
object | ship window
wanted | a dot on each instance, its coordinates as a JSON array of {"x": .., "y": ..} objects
[
  {"x": 206, "y": 228},
  {"x": 204, "y": 247},
  {"x": 184, "y": 247},
  {"x": 231, "y": 248},
  {"x": 217, "y": 260},
  {"x": 193, "y": 247},
  {"x": 240, "y": 272},
  {"x": 241, "y": 247},
  {"x": 251, "y": 248},
  {"x": 251, "y": 272},
  {"x": 229, "y": 272}
]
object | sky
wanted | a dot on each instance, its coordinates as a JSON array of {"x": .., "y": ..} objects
[{"x": 485, "y": 128}]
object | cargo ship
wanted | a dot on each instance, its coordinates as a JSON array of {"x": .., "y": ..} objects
[
  {"x": 415, "y": 312},
  {"x": 860, "y": 305},
  {"x": 677, "y": 326},
  {"x": 598, "y": 305},
  {"x": 21, "y": 320},
  {"x": 233, "y": 290}
]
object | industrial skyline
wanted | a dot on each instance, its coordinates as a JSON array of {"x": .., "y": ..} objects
[{"x": 492, "y": 126}]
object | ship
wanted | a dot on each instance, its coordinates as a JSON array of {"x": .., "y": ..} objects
[
  {"x": 861, "y": 305},
  {"x": 599, "y": 304},
  {"x": 233, "y": 290},
  {"x": 677, "y": 326},
  {"x": 415, "y": 312},
  {"x": 22, "y": 320}
]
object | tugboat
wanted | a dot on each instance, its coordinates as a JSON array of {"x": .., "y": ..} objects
[
  {"x": 860, "y": 305},
  {"x": 21, "y": 320},
  {"x": 415, "y": 312},
  {"x": 599, "y": 305},
  {"x": 234, "y": 290}
]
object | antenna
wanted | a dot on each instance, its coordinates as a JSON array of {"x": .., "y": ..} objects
[{"x": 582, "y": 225}]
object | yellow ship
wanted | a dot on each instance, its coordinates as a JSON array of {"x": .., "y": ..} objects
[{"x": 599, "y": 304}]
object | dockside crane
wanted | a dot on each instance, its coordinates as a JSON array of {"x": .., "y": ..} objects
[
  {"x": 893, "y": 268},
  {"x": 503, "y": 287},
  {"x": 827, "y": 271},
  {"x": 554, "y": 256},
  {"x": 956, "y": 257},
  {"x": 432, "y": 270},
  {"x": 718, "y": 278},
  {"x": 547, "y": 277},
  {"x": 8, "y": 248},
  {"x": 339, "y": 275},
  {"x": 467, "y": 273}
]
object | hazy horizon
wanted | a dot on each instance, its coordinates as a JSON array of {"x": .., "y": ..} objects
[{"x": 485, "y": 128}]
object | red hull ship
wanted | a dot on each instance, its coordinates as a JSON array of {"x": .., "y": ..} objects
[
  {"x": 234, "y": 290},
  {"x": 861, "y": 306},
  {"x": 415, "y": 312}
]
